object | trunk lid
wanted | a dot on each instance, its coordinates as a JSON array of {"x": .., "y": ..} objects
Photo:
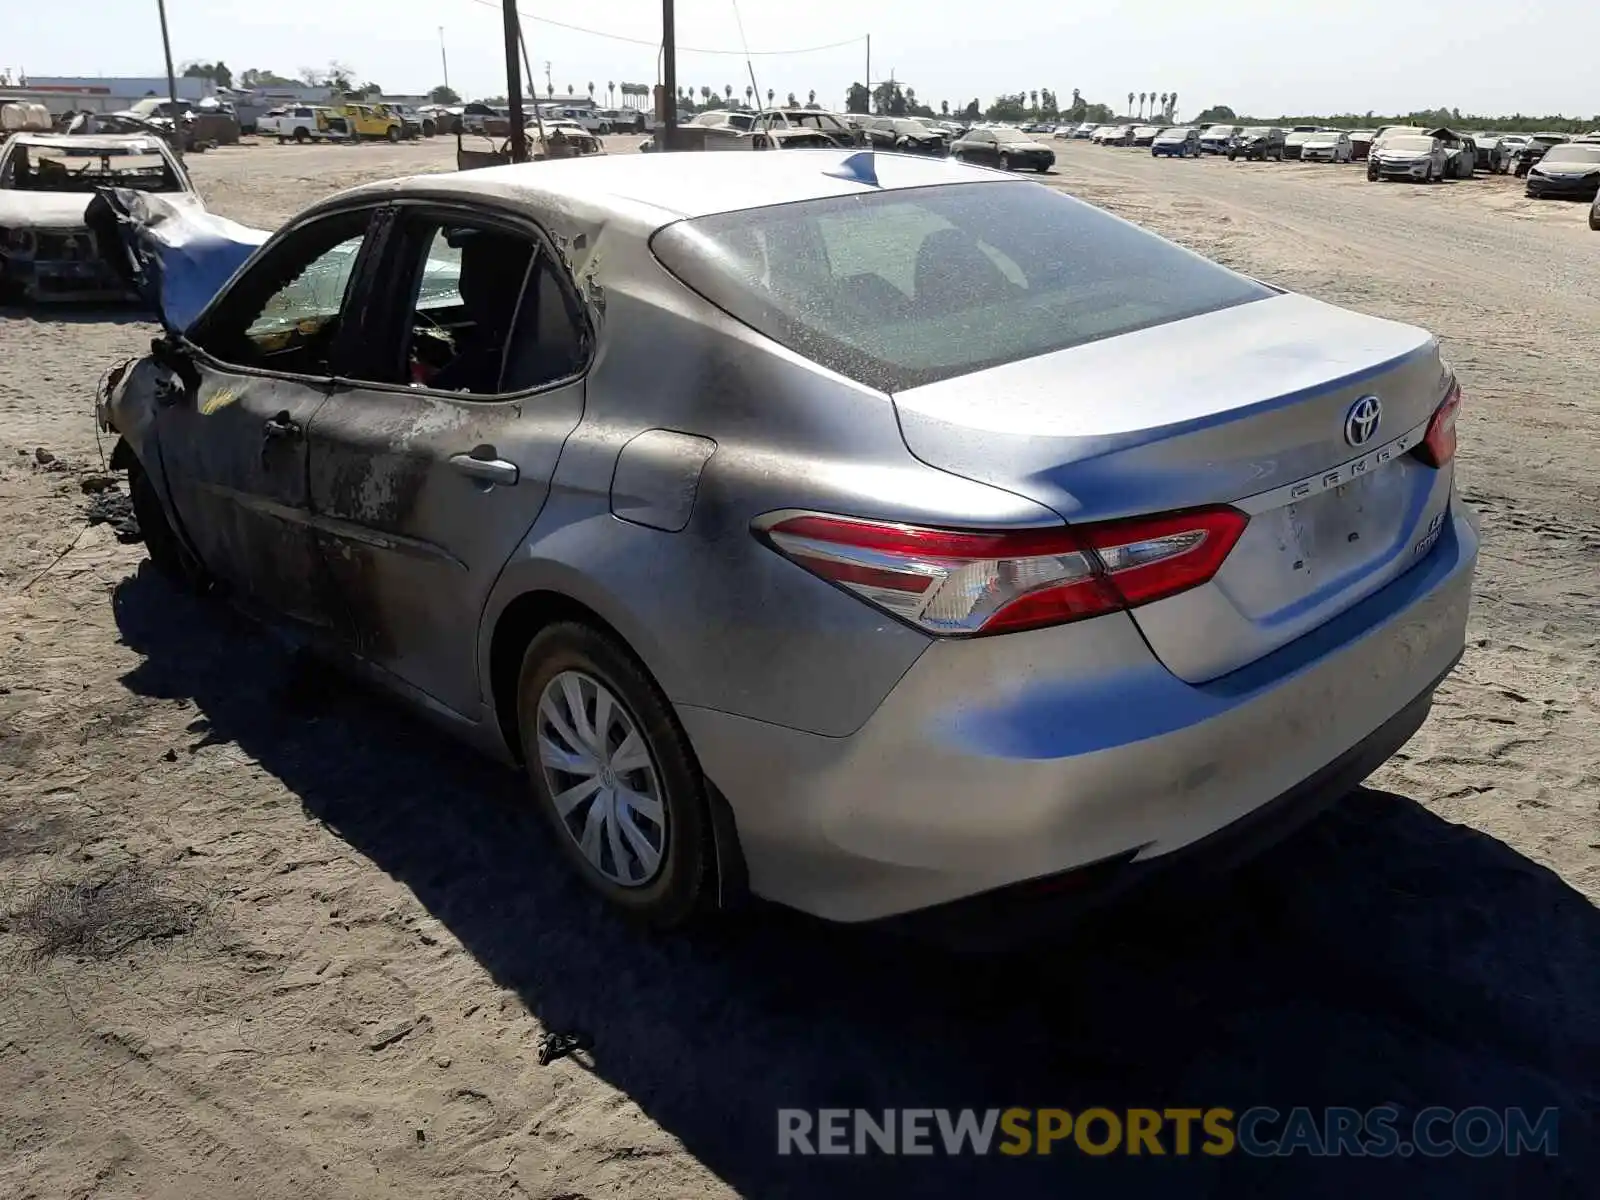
[{"x": 1246, "y": 406}]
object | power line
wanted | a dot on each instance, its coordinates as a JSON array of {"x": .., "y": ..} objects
[{"x": 655, "y": 43}]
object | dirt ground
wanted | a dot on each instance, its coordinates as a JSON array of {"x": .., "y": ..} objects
[{"x": 265, "y": 935}]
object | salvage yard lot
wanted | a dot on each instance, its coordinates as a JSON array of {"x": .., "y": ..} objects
[{"x": 263, "y": 934}]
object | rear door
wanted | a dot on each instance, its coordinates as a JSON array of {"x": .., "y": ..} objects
[{"x": 433, "y": 455}]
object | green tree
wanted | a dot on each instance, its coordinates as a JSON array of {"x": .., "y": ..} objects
[
  {"x": 944, "y": 108},
  {"x": 856, "y": 100},
  {"x": 1007, "y": 108},
  {"x": 1130, "y": 104},
  {"x": 771, "y": 95},
  {"x": 255, "y": 77},
  {"x": 971, "y": 112},
  {"x": 1217, "y": 114},
  {"x": 444, "y": 95},
  {"x": 811, "y": 98}
]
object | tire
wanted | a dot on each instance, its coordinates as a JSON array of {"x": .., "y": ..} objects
[
  {"x": 1372, "y": 175},
  {"x": 283, "y": 141},
  {"x": 392, "y": 133},
  {"x": 1233, "y": 155},
  {"x": 429, "y": 129},
  {"x": 1594, "y": 216},
  {"x": 1005, "y": 162},
  {"x": 572, "y": 655},
  {"x": 167, "y": 552},
  {"x": 300, "y": 135}
]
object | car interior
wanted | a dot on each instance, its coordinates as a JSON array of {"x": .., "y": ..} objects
[{"x": 489, "y": 315}]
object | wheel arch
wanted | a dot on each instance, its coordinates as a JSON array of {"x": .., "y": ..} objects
[{"x": 515, "y": 626}]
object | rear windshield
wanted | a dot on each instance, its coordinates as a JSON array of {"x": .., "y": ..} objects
[
  {"x": 1573, "y": 154},
  {"x": 1409, "y": 143},
  {"x": 900, "y": 288}
]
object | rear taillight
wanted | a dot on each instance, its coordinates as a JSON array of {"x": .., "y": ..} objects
[
  {"x": 960, "y": 582},
  {"x": 1438, "y": 445}
]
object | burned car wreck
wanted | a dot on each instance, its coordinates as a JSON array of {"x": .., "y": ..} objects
[{"x": 47, "y": 182}]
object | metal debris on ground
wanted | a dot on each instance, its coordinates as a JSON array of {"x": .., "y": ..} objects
[
  {"x": 553, "y": 1045},
  {"x": 113, "y": 508}
]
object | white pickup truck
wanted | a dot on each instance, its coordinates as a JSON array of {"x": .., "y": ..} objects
[{"x": 299, "y": 123}]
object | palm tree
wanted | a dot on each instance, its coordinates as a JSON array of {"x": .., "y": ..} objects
[
  {"x": 1033, "y": 99},
  {"x": 944, "y": 108},
  {"x": 611, "y": 93},
  {"x": 591, "y": 91},
  {"x": 1172, "y": 106},
  {"x": 770, "y": 95},
  {"x": 749, "y": 92},
  {"x": 793, "y": 103},
  {"x": 705, "y": 94},
  {"x": 1141, "y": 103},
  {"x": 727, "y": 90},
  {"x": 811, "y": 96},
  {"x": 1163, "y": 105}
]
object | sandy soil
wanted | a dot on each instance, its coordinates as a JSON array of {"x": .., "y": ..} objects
[{"x": 265, "y": 935}]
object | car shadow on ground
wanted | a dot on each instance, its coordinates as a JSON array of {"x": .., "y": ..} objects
[{"x": 1383, "y": 956}]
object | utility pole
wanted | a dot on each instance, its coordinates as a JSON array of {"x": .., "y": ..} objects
[
  {"x": 669, "y": 76},
  {"x": 519, "y": 135},
  {"x": 443, "y": 60},
  {"x": 533, "y": 89},
  {"x": 172, "y": 83},
  {"x": 869, "y": 72}
]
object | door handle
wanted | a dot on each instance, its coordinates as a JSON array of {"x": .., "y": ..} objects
[
  {"x": 280, "y": 426},
  {"x": 483, "y": 466}
]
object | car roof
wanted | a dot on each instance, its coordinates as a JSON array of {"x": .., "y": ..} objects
[
  {"x": 685, "y": 185},
  {"x": 132, "y": 143}
]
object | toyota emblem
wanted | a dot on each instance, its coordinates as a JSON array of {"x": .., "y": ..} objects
[{"x": 1361, "y": 422}]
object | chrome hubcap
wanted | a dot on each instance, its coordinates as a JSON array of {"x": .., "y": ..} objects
[{"x": 602, "y": 779}]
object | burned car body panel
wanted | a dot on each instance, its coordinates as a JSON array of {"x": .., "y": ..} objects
[{"x": 169, "y": 250}]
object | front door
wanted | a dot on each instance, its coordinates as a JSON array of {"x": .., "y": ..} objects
[
  {"x": 234, "y": 449},
  {"x": 433, "y": 456}
]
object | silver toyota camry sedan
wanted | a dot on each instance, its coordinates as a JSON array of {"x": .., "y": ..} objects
[{"x": 875, "y": 533}]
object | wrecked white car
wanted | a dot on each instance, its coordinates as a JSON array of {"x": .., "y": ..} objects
[{"x": 47, "y": 181}]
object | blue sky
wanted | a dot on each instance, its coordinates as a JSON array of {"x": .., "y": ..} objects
[{"x": 1255, "y": 55}]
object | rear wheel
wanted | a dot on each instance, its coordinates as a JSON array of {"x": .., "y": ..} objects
[
  {"x": 1594, "y": 215},
  {"x": 300, "y": 135},
  {"x": 614, "y": 774},
  {"x": 393, "y": 133}
]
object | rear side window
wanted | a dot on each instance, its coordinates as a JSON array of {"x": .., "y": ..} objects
[{"x": 901, "y": 288}]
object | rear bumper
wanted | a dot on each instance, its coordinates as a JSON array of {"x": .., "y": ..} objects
[
  {"x": 997, "y": 761},
  {"x": 1042, "y": 906}
]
